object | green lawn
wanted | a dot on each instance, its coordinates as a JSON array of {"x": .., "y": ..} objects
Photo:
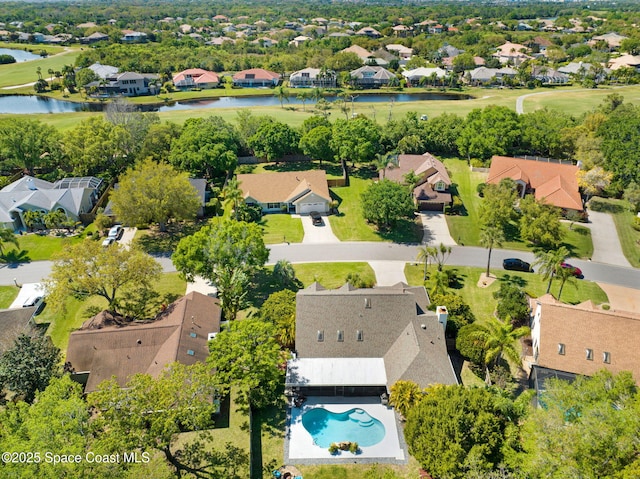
[
  {"x": 279, "y": 228},
  {"x": 465, "y": 228},
  {"x": 629, "y": 237},
  {"x": 25, "y": 72},
  {"x": 331, "y": 275},
  {"x": 37, "y": 248},
  {"x": 481, "y": 299},
  {"x": 7, "y": 295},
  {"x": 62, "y": 323}
]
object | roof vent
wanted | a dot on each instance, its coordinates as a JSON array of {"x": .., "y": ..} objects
[
  {"x": 423, "y": 326},
  {"x": 31, "y": 185},
  {"x": 139, "y": 341}
]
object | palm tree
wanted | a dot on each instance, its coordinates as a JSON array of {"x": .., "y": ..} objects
[
  {"x": 440, "y": 283},
  {"x": 564, "y": 275},
  {"x": 491, "y": 236},
  {"x": 287, "y": 331},
  {"x": 381, "y": 162},
  {"x": 550, "y": 262},
  {"x": 7, "y": 236},
  {"x": 282, "y": 95},
  {"x": 233, "y": 195},
  {"x": 424, "y": 253},
  {"x": 404, "y": 395},
  {"x": 283, "y": 271},
  {"x": 304, "y": 96}
]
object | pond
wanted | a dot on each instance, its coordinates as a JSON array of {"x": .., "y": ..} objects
[
  {"x": 19, "y": 55},
  {"x": 19, "y": 104}
]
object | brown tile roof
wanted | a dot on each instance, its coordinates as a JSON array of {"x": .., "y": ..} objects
[
  {"x": 427, "y": 166},
  {"x": 260, "y": 74},
  {"x": 583, "y": 327},
  {"x": 556, "y": 183},
  {"x": 13, "y": 323},
  {"x": 285, "y": 186},
  {"x": 180, "y": 333}
]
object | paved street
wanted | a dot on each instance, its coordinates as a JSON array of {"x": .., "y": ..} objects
[{"x": 341, "y": 252}]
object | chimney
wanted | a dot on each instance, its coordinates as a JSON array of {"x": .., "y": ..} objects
[{"x": 442, "y": 314}]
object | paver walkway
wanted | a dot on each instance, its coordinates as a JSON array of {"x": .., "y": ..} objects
[
  {"x": 317, "y": 234},
  {"x": 436, "y": 230},
  {"x": 388, "y": 273},
  {"x": 606, "y": 245}
]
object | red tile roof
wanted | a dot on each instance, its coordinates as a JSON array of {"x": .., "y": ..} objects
[
  {"x": 259, "y": 74},
  {"x": 556, "y": 183},
  {"x": 198, "y": 75}
]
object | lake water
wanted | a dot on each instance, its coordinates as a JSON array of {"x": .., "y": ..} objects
[
  {"x": 18, "y": 104},
  {"x": 19, "y": 55}
]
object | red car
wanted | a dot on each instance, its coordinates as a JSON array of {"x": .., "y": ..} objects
[{"x": 577, "y": 272}]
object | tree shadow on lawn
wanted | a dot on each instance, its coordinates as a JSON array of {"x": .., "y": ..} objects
[
  {"x": 461, "y": 210},
  {"x": 14, "y": 257},
  {"x": 263, "y": 284},
  {"x": 515, "y": 280},
  {"x": 512, "y": 232},
  {"x": 364, "y": 171},
  {"x": 158, "y": 242},
  {"x": 405, "y": 231}
]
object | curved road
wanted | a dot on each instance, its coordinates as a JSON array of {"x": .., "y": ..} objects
[{"x": 341, "y": 252}]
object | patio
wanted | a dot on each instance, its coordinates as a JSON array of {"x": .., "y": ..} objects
[{"x": 300, "y": 447}]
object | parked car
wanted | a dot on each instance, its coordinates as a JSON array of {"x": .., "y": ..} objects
[
  {"x": 316, "y": 218},
  {"x": 116, "y": 232},
  {"x": 516, "y": 264},
  {"x": 108, "y": 241},
  {"x": 37, "y": 301},
  {"x": 577, "y": 272}
]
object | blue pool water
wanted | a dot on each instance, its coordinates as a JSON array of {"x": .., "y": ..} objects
[{"x": 354, "y": 425}]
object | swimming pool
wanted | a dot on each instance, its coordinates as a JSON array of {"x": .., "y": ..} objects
[{"x": 354, "y": 425}]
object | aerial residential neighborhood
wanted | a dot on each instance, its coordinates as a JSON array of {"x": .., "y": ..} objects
[{"x": 311, "y": 240}]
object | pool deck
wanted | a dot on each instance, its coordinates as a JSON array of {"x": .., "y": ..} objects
[{"x": 299, "y": 446}]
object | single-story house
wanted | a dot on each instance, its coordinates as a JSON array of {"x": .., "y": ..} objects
[
  {"x": 109, "y": 346},
  {"x": 405, "y": 53},
  {"x": 432, "y": 191},
  {"x": 364, "y": 54},
  {"x": 549, "y": 76},
  {"x": 555, "y": 183},
  {"x": 630, "y": 61},
  {"x": 415, "y": 77},
  {"x": 95, "y": 37},
  {"x": 256, "y": 77},
  {"x": 359, "y": 342},
  {"x": 196, "y": 78},
  {"x": 313, "y": 77},
  {"x": 612, "y": 39},
  {"x": 369, "y": 32},
  {"x": 512, "y": 53},
  {"x": 299, "y": 192},
  {"x": 371, "y": 76},
  {"x": 72, "y": 196},
  {"x": 133, "y": 37},
  {"x": 570, "y": 340},
  {"x": 103, "y": 71}
]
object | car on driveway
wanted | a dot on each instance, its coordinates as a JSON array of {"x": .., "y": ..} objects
[
  {"x": 316, "y": 218},
  {"x": 108, "y": 241},
  {"x": 516, "y": 264},
  {"x": 116, "y": 232},
  {"x": 577, "y": 272}
]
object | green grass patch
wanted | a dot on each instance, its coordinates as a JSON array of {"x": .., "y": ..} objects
[
  {"x": 629, "y": 237},
  {"x": 37, "y": 247},
  {"x": 333, "y": 170},
  {"x": 7, "y": 295},
  {"x": 482, "y": 302},
  {"x": 358, "y": 471},
  {"x": 153, "y": 241},
  {"x": 64, "y": 321},
  {"x": 26, "y": 72},
  {"x": 281, "y": 228},
  {"x": 332, "y": 275}
]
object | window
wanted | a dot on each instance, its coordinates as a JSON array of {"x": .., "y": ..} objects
[
  {"x": 193, "y": 335},
  {"x": 305, "y": 74},
  {"x": 340, "y": 336},
  {"x": 589, "y": 354},
  {"x": 561, "y": 348},
  {"x": 359, "y": 336},
  {"x": 191, "y": 352},
  {"x": 320, "y": 335},
  {"x": 440, "y": 186},
  {"x": 273, "y": 206},
  {"x": 606, "y": 357},
  {"x": 250, "y": 76}
]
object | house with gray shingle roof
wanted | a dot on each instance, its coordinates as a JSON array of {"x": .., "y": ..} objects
[{"x": 359, "y": 342}]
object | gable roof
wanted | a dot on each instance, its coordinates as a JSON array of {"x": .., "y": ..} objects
[
  {"x": 427, "y": 166},
  {"x": 556, "y": 183},
  {"x": 583, "y": 327},
  {"x": 358, "y": 50},
  {"x": 284, "y": 187},
  {"x": 180, "y": 333},
  {"x": 379, "y": 73},
  {"x": 390, "y": 322}
]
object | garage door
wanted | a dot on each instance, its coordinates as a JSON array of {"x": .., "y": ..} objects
[{"x": 306, "y": 208}]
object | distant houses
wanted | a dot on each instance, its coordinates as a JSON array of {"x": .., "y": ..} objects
[
  {"x": 196, "y": 78},
  {"x": 256, "y": 77},
  {"x": 313, "y": 77},
  {"x": 125, "y": 84}
]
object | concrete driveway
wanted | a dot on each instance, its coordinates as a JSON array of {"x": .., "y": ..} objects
[
  {"x": 388, "y": 273},
  {"x": 436, "y": 230},
  {"x": 127, "y": 236},
  {"x": 317, "y": 234},
  {"x": 606, "y": 245}
]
